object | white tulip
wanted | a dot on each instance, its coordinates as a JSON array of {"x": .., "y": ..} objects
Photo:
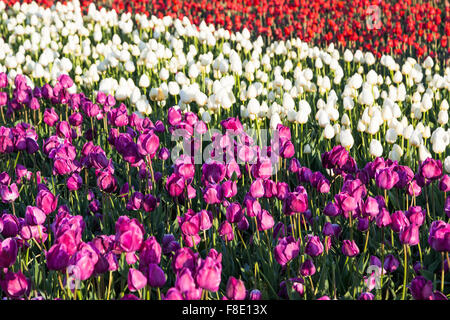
[
  {"x": 423, "y": 153},
  {"x": 345, "y": 121},
  {"x": 428, "y": 63},
  {"x": 397, "y": 77},
  {"x": 274, "y": 121},
  {"x": 328, "y": 132},
  {"x": 375, "y": 148},
  {"x": 369, "y": 58},
  {"x": 288, "y": 102},
  {"x": 366, "y": 97},
  {"x": 346, "y": 139},
  {"x": 144, "y": 81},
  {"x": 348, "y": 55},
  {"x": 307, "y": 149},
  {"x": 348, "y": 103},
  {"x": 201, "y": 98},
  {"x": 416, "y": 138},
  {"x": 253, "y": 106},
  {"x": 121, "y": 93},
  {"x": 323, "y": 120},
  {"x": 372, "y": 77},
  {"x": 291, "y": 115},
  {"x": 206, "y": 117},
  {"x": 443, "y": 117},
  {"x": 143, "y": 106},
  {"x": 174, "y": 88},
  {"x": 135, "y": 95},
  {"x": 391, "y": 136},
  {"x": 447, "y": 164},
  {"x": 361, "y": 126}
]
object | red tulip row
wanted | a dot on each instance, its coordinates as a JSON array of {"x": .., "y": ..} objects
[{"x": 413, "y": 27}]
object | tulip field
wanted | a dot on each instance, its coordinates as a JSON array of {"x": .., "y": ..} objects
[{"x": 224, "y": 150}]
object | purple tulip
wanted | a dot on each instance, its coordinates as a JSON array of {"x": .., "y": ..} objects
[
  {"x": 296, "y": 202},
  {"x": 282, "y": 190},
  {"x": 235, "y": 289},
  {"x": 50, "y": 117},
  {"x": 8, "y": 252},
  {"x": 444, "y": 183},
  {"x": 208, "y": 275},
  {"x": 74, "y": 182},
  {"x": 421, "y": 288},
  {"x": 226, "y": 231},
  {"x": 76, "y": 119},
  {"x": 294, "y": 165},
  {"x": 234, "y": 212},
  {"x": 337, "y": 157},
  {"x": 383, "y": 219},
  {"x": 150, "y": 251},
  {"x": 386, "y": 178},
  {"x": 57, "y": 257},
  {"x": 399, "y": 221},
  {"x": 107, "y": 182},
  {"x": 34, "y": 216},
  {"x": 416, "y": 215},
  {"x": 257, "y": 188},
  {"x": 410, "y": 235},
  {"x": 437, "y": 295},
  {"x": 119, "y": 116},
  {"x": 345, "y": 202},
  {"x": 447, "y": 207},
  {"x": 431, "y": 169},
  {"x": 155, "y": 276},
  {"x": 174, "y": 116},
  {"x": 185, "y": 283},
  {"x": 148, "y": 144},
  {"x": 9, "y": 194},
  {"x": 213, "y": 194},
  {"x": 46, "y": 201},
  {"x": 229, "y": 189},
  {"x": 307, "y": 268},
  {"x": 414, "y": 189},
  {"x": 173, "y": 294},
  {"x": 136, "y": 280},
  {"x": 184, "y": 258},
  {"x": 5, "y": 179},
  {"x": 243, "y": 224},
  {"x": 366, "y": 296},
  {"x": 15, "y": 284},
  {"x": 439, "y": 238},
  {"x": 265, "y": 220},
  {"x": 129, "y": 234},
  {"x": 390, "y": 263},
  {"x": 213, "y": 172},
  {"x": 349, "y": 248},
  {"x": 331, "y": 210},
  {"x": 314, "y": 247},
  {"x": 65, "y": 80},
  {"x": 255, "y": 294},
  {"x": 3, "y": 80},
  {"x": 286, "y": 250}
]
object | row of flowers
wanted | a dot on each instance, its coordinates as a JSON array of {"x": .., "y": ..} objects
[
  {"x": 406, "y": 27},
  {"x": 133, "y": 217},
  {"x": 394, "y": 110}
]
